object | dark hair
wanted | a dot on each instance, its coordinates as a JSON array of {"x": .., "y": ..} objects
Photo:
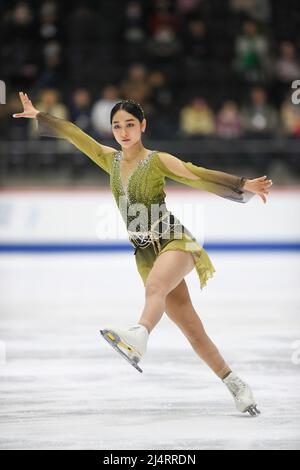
[{"x": 131, "y": 106}]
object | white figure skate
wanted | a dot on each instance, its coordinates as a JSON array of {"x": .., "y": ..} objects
[
  {"x": 242, "y": 394},
  {"x": 131, "y": 343}
]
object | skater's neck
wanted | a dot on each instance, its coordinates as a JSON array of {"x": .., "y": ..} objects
[{"x": 136, "y": 152}]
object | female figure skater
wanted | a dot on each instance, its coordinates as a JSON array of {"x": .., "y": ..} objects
[{"x": 166, "y": 252}]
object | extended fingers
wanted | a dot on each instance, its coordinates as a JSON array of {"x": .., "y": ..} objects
[
  {"x": 264, "y": 182},
  {"x": 262, "y": 177},
  {"x": 24, "y": 97}
]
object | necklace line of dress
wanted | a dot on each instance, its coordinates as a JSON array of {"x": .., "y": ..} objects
[{"x": 125, "y": 188}]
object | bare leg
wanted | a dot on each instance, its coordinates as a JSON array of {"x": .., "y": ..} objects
[
  {"x": 167, "y": 272},
  {"x": 180, "y": 309}
]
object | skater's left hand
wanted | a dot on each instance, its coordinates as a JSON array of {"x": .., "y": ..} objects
[
  {"x": 259, "y": 186},
  {"x": 29, "y": 111}
]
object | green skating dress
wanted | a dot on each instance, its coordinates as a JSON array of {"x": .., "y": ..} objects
[{"x": 155, "y": 229}]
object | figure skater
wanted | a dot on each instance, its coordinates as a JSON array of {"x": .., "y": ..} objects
[{"x": 165, "y": 250}]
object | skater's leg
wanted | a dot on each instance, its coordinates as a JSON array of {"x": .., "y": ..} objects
[
  {"x": 167, "y": 272},
  {"x": 180, "y": 309}
]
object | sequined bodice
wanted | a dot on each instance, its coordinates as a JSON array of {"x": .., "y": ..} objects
[
  {"x": 144, "y": 184},
  {"x": 124, "y": 180},
  {"x": 141, "y": 199}
]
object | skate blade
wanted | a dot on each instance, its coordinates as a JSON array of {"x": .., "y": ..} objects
[
  {"x": 253, "y": 410},
  {"x": 114, "y": 340}
]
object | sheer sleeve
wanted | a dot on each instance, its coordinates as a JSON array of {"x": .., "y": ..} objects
[
  {"x": 222, "y": 184},
  {"x": 51, "y": 126}
]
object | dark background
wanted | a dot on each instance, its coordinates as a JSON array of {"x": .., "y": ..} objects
[{"x": 214, "y": 78}]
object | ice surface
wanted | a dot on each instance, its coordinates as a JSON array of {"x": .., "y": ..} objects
[{"x": 63, "y": 387}]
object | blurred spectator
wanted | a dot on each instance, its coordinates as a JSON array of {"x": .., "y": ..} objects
[
  {"x": 134, "y": 31},
  {"x": 162, "y": 120},
  {"x": 259, "y": 117},
  {"x": 80, "y": 109},
  {"x": 136, "y": 85},
  {"x": 228, "y": 122},
  {"x": 163, "y": 24},
  {"x": 252, "y": 50},
  {"x": 184, "y": 7},
  {"x": 162, "y": 17},
  {"x": 164, "y": 45},
  {"x": 257, "y": 9},
  {"x": 48, "y": 28},
  {"x": 290, "y": 116},
  {"x": 49, "y": 101},
  {"x": 287, "y": 66},
  {"x": 161, "y": 95},
  {"x": 51, "y": 70},
  {"x": 134, "y": 22},
  {"x": 197, "y": 119},
  {"x": 196, "y": 42},
  {"x": 19, "y": 49},
  {"x": 101, "y": 111}
]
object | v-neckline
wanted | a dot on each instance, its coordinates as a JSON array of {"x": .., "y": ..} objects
[{"x": 125, "y": 189}]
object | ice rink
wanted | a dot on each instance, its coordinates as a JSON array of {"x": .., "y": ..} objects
[{"x": 63, "y": 387}]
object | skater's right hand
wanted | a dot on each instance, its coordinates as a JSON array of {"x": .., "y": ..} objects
[{"x": 29, "y": 110}]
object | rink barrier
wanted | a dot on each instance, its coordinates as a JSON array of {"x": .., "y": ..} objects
[{"x": 125, "y": 247}]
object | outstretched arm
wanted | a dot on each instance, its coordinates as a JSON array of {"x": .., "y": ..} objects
[
  {"x": 52, "y": 126},
  {"x": 235, "y": 188}
]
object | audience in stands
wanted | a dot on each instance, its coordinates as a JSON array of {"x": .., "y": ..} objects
[
  {"x": 80, "y": 110},
  {"x": 252, "y": 53},
  {"x": 260, "y": 118},
  {"x": 287, "y": 65},
  {"x": 256, "y": 9},
  {"x": 229, "y": 121},
  {"x": 197, "y": 119},
  {"x": 100, "y": 116},
  {"x": 164, "y": 54}
]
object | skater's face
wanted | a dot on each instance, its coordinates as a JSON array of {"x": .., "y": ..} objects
[{"x": 127, "y": 129}]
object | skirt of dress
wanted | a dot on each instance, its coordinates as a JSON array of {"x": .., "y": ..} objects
[{"x": 145, "y": 257}]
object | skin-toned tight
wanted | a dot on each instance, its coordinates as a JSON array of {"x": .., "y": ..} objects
[{"x": 166, "y": 291}]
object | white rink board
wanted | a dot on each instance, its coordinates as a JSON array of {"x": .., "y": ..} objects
[{"x": 93, "y": 217}]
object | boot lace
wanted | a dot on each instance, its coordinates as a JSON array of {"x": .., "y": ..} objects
[{"x": 237, "y": 386}]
